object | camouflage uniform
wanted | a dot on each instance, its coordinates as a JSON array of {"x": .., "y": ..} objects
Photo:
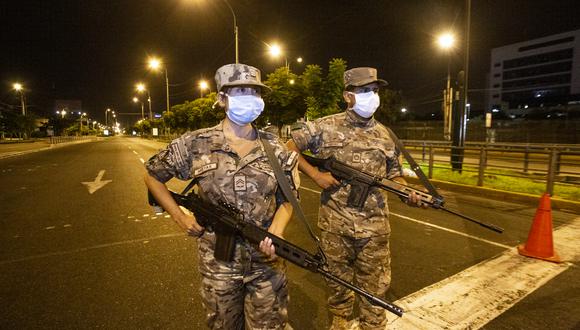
[
  {"x": 250, "y": 291},
  {"x": 355, "y": 241}
]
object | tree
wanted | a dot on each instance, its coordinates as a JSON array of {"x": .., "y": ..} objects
[
  {"x": 324, "y": 96},
  {"x": 193, "y": 115},
  {"x": 285, "y": 103}
]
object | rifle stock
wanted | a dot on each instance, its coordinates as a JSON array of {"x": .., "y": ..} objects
[{"x": 225, "y": 216}]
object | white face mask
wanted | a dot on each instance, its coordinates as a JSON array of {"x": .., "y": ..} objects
[
  {"x": 244, "y": 109},
  {"x": 366, "y": 104}
]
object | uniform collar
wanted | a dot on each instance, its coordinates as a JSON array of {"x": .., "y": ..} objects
[
  {"x": 358, "y": 121},
  {"x": 219, "y": 143}
]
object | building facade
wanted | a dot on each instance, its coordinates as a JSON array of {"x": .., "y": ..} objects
[{"x": 534, "y": 75}]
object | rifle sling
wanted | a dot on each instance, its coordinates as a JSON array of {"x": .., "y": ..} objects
[
  {"x": 287, "y": 191},
  {"x": 414, "y": 166}
]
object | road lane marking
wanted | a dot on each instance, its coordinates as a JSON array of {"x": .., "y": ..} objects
[
  {"x": 50, "y": 228},
  {"x": 436, "y": 226},
  {"x": 477, "y": 295},
  {"x": 93, "y": 186},
  {"x": 135, "y": 152},
  {"x": 142, "y": 160},
  {"x": 94, "y": 247},
  {"x": 451, "y": 230}
]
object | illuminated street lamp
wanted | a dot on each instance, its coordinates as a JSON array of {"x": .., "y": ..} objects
[
  {"x": 155, "y": 64},
  {"x": 135, "y": 100},
  {"x": 19, "y": 89},
  {"x": 446, "y": 42},
  {"x": 140, "y": 87},
  {"x": 61, "y": 113},
  {"x": 203, "y": 85},
  {"x": 84, "y": 114},
  {"x": 275, "y": 51}
]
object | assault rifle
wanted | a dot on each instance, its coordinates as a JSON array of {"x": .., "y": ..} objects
[
  {"x": 362, "y": 182},
  {"x": 228, "y": 223}
]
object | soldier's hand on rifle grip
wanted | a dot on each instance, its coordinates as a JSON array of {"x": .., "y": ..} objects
[
  {"x": 325, "y": 180},
  {"x": 188, "y": 223},
  {"x": 267, "y": 247}
]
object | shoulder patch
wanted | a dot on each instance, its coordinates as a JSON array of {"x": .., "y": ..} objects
[
  {"x": 292, "y": 159},
  {"x": 204, "y": 168}
]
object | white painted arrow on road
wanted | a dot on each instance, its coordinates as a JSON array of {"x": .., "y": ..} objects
[{"x": 98, "y": 183}]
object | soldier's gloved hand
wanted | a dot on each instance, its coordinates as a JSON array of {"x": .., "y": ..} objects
[
  {"x": 325, "y": 180},
  {"x": 267, "y": 247},
  {"x": 188, "y": 223}
]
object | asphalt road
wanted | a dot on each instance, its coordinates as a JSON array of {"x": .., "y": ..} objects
[{"x": 71, "y": 259}]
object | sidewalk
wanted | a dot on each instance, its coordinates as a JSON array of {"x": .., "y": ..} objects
[{"x": 11, "y": 148}]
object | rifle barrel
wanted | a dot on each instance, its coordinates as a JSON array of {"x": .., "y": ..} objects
[
  {"x": 372, "y": 299},
  {"x": 483, "y": 224}
]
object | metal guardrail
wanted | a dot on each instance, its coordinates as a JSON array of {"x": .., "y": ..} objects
[
  {"x": 65, "y": 139},
  {"x": 540, "y": 162}
]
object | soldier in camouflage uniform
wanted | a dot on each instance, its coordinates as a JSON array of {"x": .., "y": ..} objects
[
  {"x": 355, "y": 241},
  {"x": 229, "y": 164}
]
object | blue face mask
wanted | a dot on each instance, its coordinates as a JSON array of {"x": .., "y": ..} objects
[
  {"x": 366, "y": 104},
  {"x": 244, "y": 109}
]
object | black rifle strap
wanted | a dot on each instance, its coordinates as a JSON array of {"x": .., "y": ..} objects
[
  {"x": 414, "y": 166},
  {"x": 287, "y": 190}
]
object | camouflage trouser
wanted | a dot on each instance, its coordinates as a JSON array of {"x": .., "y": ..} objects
[
  {"x": 251, "y": 291},
  {"x": 367, "y": 263}
]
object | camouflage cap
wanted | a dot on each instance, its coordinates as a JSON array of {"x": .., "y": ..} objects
[
  {"x": 238, "y": 74},
  {"x": 357, "y": 77}
]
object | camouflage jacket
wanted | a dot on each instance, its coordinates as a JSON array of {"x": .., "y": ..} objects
[
  {"x": 365, "y": 145},
  {"x": 247, "y": 183}
]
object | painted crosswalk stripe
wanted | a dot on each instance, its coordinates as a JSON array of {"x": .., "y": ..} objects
[{"x": 477, "y": 295}]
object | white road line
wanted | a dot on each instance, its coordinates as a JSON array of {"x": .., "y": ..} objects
[
  {"x": 50, "y": 228},
  {"x": 94, "y": 247},
  {"x": 477, "y": 295},
  {"x": 142, "y": 160},
  {"x": 135, "y": 152},
  {"x": 451, "y": 231},
  {"x": 435, "y": 226}
]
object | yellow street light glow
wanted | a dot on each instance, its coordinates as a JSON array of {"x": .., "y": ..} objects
[
  {"x": 275, "y": 50},
  {"x": 154, "y": 63},
  {"x": 140, "y": 87},
  {"x": 17, "y": 87},
  {"x": 135, "y": 100},
  {"x": 203, "y": 85},
  {"x": 291, "y": 81},
  {"x": 299, "y": 60},
  {"x": 446, "y": 40}
]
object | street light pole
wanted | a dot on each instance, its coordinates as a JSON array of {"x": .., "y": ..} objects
[
  {"x": 235, "y": 30},
  {"x": 459, "y": 127},
  {"x": 107, "y": 116},
  {"x": 446, "y": 42},
  {"x": 167, "y": 92},
  {"x": 18, "y": 88}
]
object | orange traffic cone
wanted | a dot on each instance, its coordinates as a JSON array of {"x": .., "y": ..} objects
[{"x": 539, "y": 244}]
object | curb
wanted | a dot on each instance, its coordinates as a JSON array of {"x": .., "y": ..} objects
[
  {"x": 501, "y": 195},
  {"x": 43, "y": 148}
]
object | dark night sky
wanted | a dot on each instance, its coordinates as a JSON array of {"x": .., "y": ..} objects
[{"x": 95, "y": 50}]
